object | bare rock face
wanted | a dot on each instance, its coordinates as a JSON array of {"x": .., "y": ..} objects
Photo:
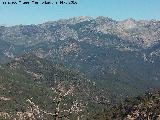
[{"x": 128, "y": 24}]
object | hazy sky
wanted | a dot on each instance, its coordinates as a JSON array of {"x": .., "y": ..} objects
[{"x": 116, "y": 9}]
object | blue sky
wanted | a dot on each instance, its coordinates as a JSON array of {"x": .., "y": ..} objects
[{"x": 116, "y": 9}]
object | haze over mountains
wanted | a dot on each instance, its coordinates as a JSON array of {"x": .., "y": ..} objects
[{"x": 109, "y": 59}]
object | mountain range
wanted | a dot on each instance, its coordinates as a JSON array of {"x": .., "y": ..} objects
[{"x": 101, "y": 59}]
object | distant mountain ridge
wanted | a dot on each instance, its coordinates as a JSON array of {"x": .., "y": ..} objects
[{"x": 127, "y": 29}]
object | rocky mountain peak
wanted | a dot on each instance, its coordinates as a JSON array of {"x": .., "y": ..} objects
[
  {"x": 104, "y": 19},
  {"x": 128, "y": 23}
]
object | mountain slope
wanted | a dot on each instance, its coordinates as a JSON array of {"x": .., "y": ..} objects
[
  {"x": 144, "y": 107},
  {"x": 29, "y": 83}
]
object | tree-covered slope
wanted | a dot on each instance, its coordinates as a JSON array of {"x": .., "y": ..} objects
[
  {"x": 33, "y": 87},
  {"x": 143, "y": 107}
]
